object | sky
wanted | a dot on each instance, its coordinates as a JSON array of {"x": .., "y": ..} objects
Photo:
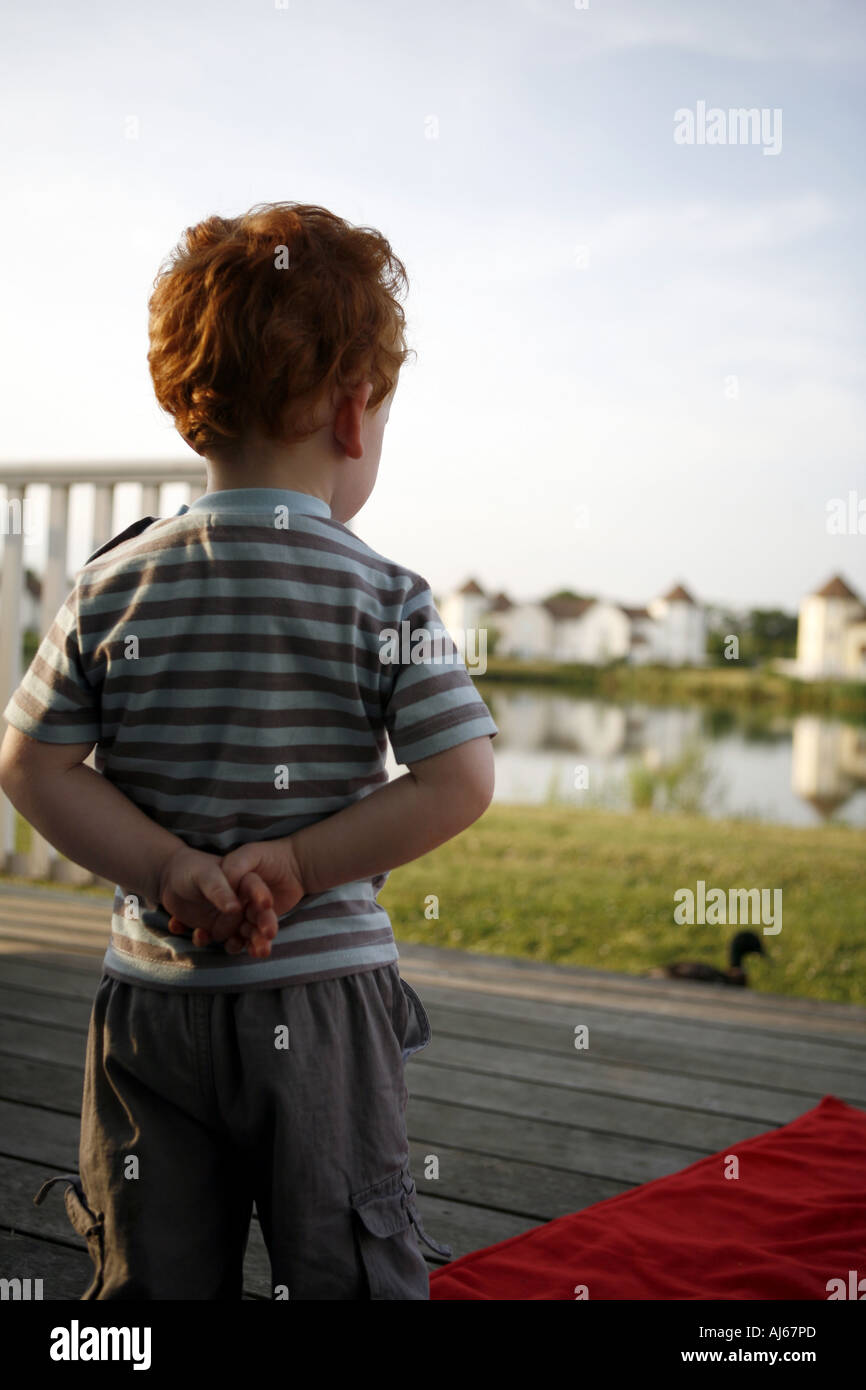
[{"x": 639, "y": 361}]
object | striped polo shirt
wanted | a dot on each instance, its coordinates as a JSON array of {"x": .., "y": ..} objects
[{"x": 239, "y": 667}]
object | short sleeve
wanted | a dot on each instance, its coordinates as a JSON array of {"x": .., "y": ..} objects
[
  {"x": 55, "y": 702},
  {"x": 429, "y": 701}
]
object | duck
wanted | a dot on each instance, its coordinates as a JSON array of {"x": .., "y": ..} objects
[{"x": 743, "y": 944}]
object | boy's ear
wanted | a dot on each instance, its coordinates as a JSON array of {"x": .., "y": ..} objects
[{"x": 348, "y": 419}]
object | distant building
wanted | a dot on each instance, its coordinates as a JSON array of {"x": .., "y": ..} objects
[
  {"x": 831, "y": 633},
  {"x": 681, "y": 631},
  {"x": 670, "y": 631}
]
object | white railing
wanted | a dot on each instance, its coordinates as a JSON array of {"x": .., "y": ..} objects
[{"x": 42, "y": 860}]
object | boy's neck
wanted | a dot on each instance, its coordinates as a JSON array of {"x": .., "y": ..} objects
[{"x": 297, "y": 475}]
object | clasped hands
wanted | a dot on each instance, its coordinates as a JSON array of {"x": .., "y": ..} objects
[{"x": 234, "y": 900}]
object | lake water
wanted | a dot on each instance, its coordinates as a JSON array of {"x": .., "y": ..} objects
[{"x": 792, "y": 771}]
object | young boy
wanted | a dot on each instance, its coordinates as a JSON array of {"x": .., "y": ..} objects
[{"x": 235, "y": 666}]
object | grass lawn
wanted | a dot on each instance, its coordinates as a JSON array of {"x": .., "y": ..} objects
[{"x": 595, "y": 888}]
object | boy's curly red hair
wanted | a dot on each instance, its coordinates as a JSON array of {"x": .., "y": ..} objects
[{"x": 255, "y": 319}]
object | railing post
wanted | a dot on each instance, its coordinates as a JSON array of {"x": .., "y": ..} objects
[
  {"x": 11, "y": 587},
  {"x": 55, "y": 585},
  {"x": 150, "y": 495},
  {"x": 103, "y": 514}
]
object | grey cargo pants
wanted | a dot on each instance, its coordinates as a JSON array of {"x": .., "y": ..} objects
[{"x": 196, "y": 1105}]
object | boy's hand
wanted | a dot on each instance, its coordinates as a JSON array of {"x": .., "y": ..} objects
[
  {"x": 267, "y": 876},
  {"x": 194, "y": 890},
  {"x": 197, "y": 895}
]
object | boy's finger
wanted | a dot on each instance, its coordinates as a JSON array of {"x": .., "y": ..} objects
[
  {"x": 253, "y": 888},
  {"x": 266, "y": 922},
  {"x": 225, "y": 924},
  {"x": 213, "y": 885},
  {"x": 260, "y": 903},
  {"x": 259, "y": 945}
]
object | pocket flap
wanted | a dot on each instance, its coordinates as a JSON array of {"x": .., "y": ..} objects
[{"x": 384, "y": 1207}]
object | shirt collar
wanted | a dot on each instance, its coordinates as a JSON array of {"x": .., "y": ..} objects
[{"x": 259, "y": 499}]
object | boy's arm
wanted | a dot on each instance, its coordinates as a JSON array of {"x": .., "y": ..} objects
[
  {"x": 88, "y": 819},
  {"x": 434, "y": 801}
]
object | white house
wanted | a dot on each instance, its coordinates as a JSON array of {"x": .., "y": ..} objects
[
  {"x": 642, "y": 630},
  {"x": 525, "y": 630},
  {"x": 464, "y": 608},
  {"x": 831, "y": 633},
  {"x": 680, "y": 630},
  {"x": 583, "y": 630},
  {"x": 577, "y": 628}
]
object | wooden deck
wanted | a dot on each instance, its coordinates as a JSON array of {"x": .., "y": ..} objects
[{"x": 525, "y": 1127}]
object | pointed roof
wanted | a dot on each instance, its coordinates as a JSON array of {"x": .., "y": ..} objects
[
  {"x": 565, "y": 606},
  {"x": 679, "y": 595},
  {"x": 836, "y": 588},
  {"x": 501, "y": 603},
  {"x": 470, "y": 587},
  {"x": 633, "y": 612}
]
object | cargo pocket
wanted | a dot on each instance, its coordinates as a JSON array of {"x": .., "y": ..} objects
[
  {"x": 418, "y": 1031},
  {"x": 86, "y": 1222},
  {"x": 388, "y": 1216}
]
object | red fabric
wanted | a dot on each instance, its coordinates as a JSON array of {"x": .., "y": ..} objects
[{"x": 795, "y": 1218}]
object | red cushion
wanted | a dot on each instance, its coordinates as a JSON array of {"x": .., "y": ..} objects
[{"x": 793, "y": 1219}]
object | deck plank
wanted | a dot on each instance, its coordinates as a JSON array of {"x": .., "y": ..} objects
[
  {"x": 637, "y": 1056},
  {"x": 738, "y": 1040}
]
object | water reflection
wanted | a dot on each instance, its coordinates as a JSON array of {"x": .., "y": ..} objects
[
  {"x": 829, "y": 763},
  {"x": 799, "y": 771}
]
